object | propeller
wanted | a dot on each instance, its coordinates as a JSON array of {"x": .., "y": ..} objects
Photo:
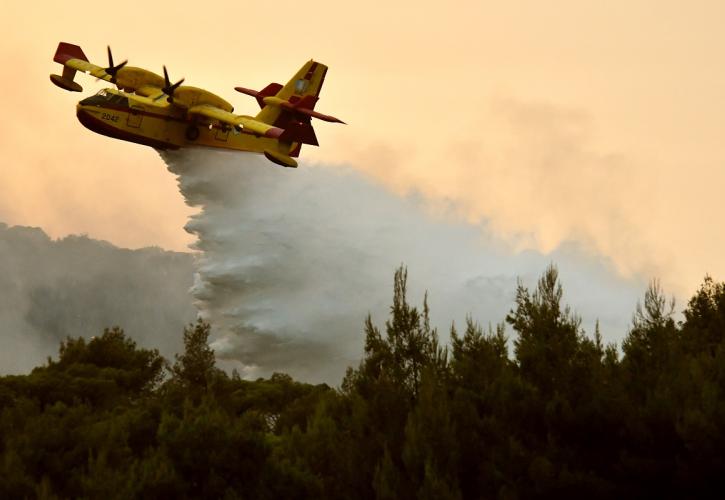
[
  {"x": 168, "y": 88},
  {"x": 113, "y": 69}
]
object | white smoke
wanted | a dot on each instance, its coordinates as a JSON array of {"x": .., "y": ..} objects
[
  {"x": 77, "y": 286},
  {"x": 291, "y": 262}
]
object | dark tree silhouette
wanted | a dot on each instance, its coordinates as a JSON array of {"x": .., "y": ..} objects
[{"x": 561, "y": 416}]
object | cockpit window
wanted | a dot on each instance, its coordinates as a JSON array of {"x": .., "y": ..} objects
[
  {"x": 103, "y": 98},
  {"x": 117, "y": 99}
]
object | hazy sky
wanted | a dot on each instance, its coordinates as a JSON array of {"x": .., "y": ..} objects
[{"x": 548, "y": 123}]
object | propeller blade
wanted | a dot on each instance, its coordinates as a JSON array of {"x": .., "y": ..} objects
[
  {"x": 169, "y": 89},
  {"x": 113, "y": 69},
  {"x": 176, "y": 85}
]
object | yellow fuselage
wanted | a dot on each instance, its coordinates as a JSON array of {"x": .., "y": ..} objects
[{"x": 156, "y": 123}]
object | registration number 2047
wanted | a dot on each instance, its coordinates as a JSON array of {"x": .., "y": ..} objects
[{"x": 109, "y": 117}]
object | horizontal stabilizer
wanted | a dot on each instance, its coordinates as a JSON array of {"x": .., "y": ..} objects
[
  {"x": 267, "y": 91},
  {"x": 320, "y": 116},
  {"x": 304, "y": 106}
]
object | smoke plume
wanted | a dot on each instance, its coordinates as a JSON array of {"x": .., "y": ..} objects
[
  {"x": 77, "y": 286},
  {"x": 537, "y": 175}
]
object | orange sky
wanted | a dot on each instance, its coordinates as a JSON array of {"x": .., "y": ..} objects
[{"x": 594, "y": 122}]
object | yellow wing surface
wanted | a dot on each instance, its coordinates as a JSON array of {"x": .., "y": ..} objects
[
  {"x": 138, "y": 80},
  {"x": 88, "y": 67},
  {"x": 148, "y": 84}
]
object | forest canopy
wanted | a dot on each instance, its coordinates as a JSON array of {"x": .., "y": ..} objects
[{"x": 533, "y": 407}]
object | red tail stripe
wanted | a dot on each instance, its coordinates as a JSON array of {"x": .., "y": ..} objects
[{"x": 67, "y": 51}]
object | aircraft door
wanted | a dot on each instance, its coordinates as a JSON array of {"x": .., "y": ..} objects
[{"x": 135, "y": 116}]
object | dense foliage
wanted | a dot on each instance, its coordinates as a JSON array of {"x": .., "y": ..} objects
[{"x": 560, "y": 416}]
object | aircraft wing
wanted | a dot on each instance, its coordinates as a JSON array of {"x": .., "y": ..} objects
[
  {"x": 247, "y": 122},
  {"x": 89, "y": 68},
  {"x": 150, "y": 91}
]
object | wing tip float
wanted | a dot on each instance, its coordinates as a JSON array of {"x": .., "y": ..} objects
[{"x": 64, "y": 53}]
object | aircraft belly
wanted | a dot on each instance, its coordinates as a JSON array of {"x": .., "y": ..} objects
[
  {"x": 163, "y": 131},
  {"x": 150, "y": 131}
]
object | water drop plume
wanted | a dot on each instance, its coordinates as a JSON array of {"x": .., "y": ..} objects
[
  {"x": 290, "y": 262},
  {"x": 281, "y": 271}
]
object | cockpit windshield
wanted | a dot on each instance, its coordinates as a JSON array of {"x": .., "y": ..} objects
[
  {"x": 104, "y": 98},
  {"x": 118, "y": 99}
]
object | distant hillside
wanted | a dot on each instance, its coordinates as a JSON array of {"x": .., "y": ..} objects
[{"x": 77, "y": 286}]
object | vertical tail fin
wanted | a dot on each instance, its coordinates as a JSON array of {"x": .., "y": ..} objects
[
  {"x": 291, "y": 107},
  {"x": 306, "y": 84}
]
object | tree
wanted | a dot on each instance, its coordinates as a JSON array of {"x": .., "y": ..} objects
[
  {"x": 386, "y": 385},
  {"x": 410, "y": 344},
  {"x": 651, "y": 344},
  {"x": 141, "y": 370},
  {"x": 484, "y": 407},
  {"x": 548, "y": 334},
  {"x": 195, "y": 370},
  {"x": 430, "y": 453},
  {"x": 704, "y": 328},
  {"x": 564, "y": 418}
]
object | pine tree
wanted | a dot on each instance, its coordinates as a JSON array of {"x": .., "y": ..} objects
[
  {"x": 195, "y": 369},
  {"x": 548, "y": 334}
]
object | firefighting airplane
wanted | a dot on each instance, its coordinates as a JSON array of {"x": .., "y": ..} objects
[{"x": 148, "y": 109}]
